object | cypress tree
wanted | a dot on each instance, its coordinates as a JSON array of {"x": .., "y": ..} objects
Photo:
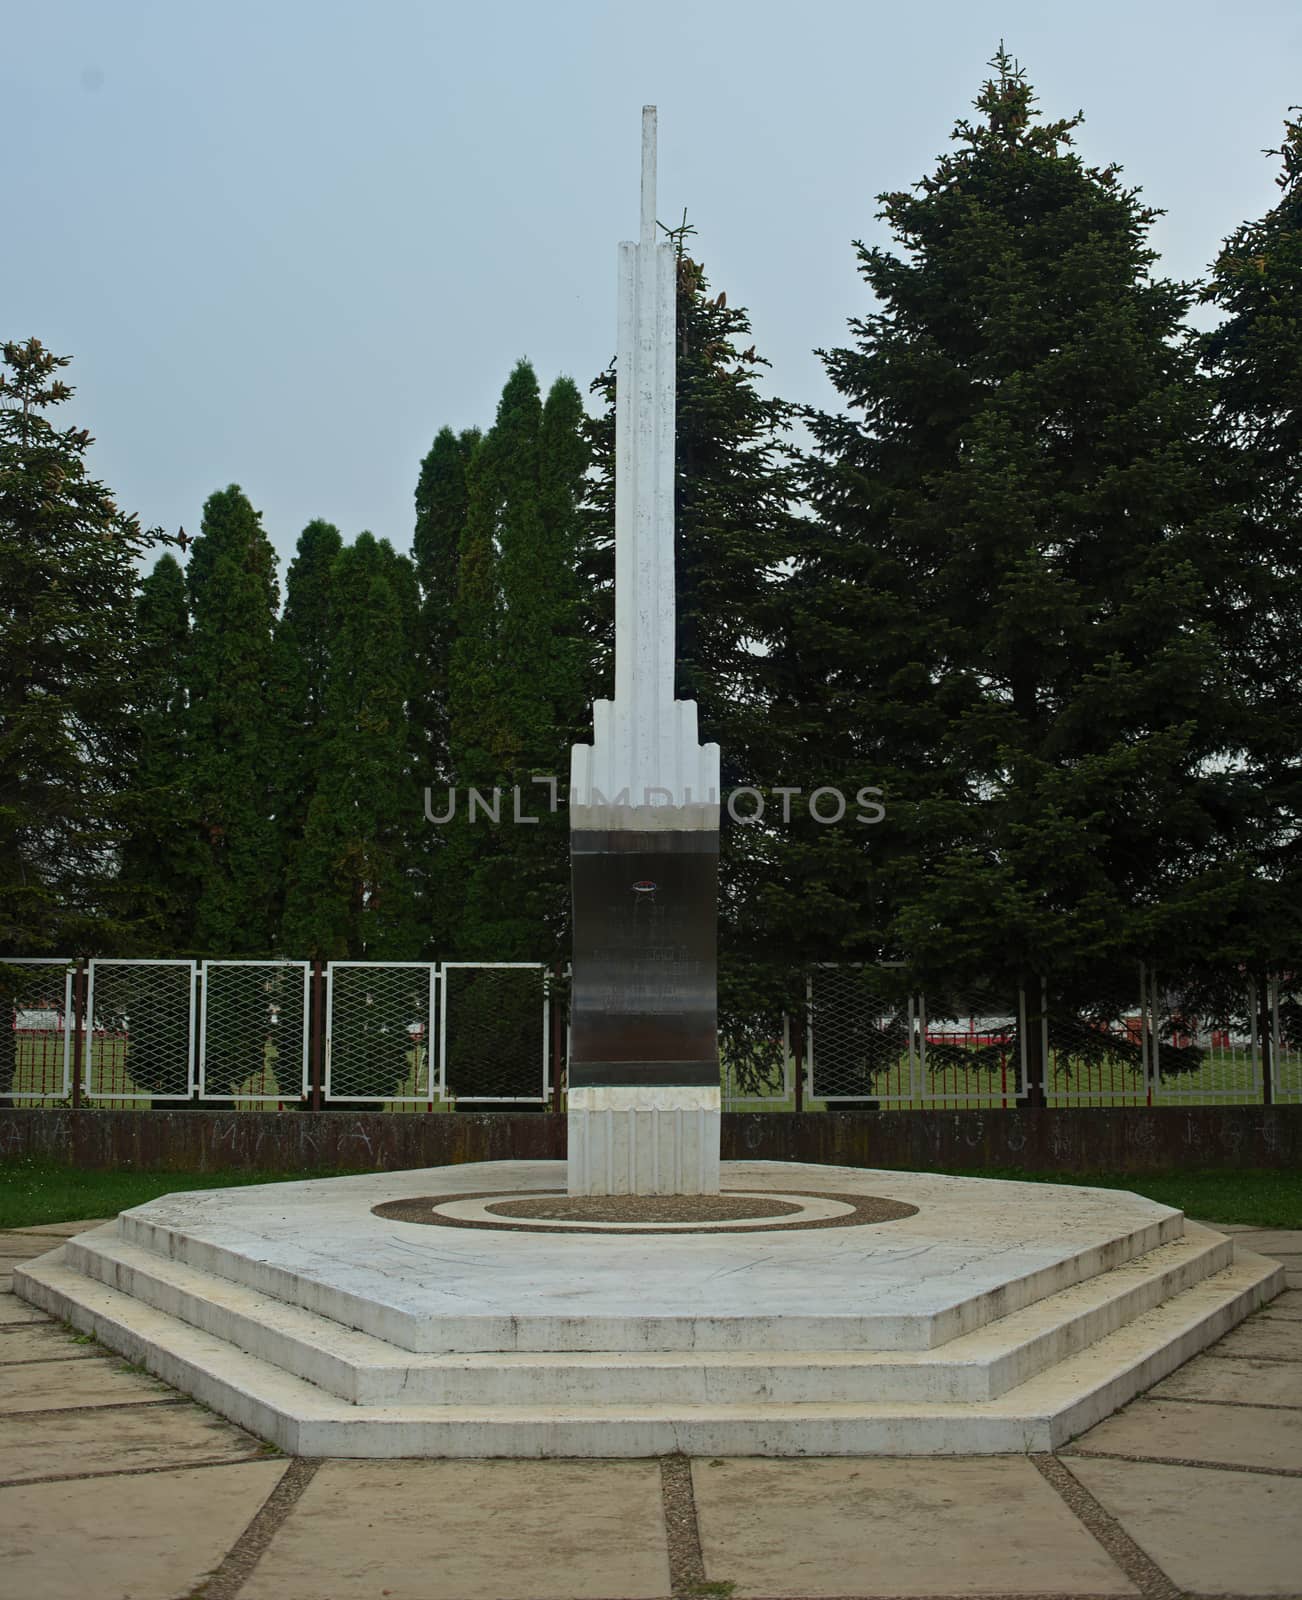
[
  {"x": 519, "y": 668},
  {"x": 563, "y": 460},
  {"x": 441, "y": 504},
  {"x": 351, "y": 889},
  {"x": 1004, "y": 617},
  {"x": 161, "y": 859},
  {"x": 233, "y": 599},
  {"x": 300, "y": 668}
]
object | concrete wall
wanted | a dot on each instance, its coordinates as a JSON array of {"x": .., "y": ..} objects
[{"x": 1065, "y": 1141}]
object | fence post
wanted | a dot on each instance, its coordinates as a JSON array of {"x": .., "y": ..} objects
[
  {"x": 798, "y": 1057},
  {"x": 78, "y": 1028},
  {"x": 1033, "y": 1047},
  {"x": 1268, "y": 1034},
  {"x": 317, "y": 1036},
  {"x": 558, "y": 1045}
]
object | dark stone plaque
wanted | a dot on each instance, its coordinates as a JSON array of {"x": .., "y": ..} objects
[{"x": 644, "y": 1004}]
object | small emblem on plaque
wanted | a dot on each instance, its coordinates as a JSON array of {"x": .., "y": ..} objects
[{"x": 644, "y": 886}]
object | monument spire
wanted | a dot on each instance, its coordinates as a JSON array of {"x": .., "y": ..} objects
[
  {"x": 644, "y": 807},
  {"x": 648, "y": 234}
]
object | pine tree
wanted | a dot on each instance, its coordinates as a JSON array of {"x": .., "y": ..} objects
[
  {"x": 1254, "y": 357},
  {"x": 1004, "y": 618},
  {"x": 351, "y": 888},
  {"x": 68, "y": 560},
  {"x": 232, "y": 717},
  {"x": 162, "y": 858}
]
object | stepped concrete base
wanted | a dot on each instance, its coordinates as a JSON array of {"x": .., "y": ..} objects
[
  {"x": 999, "y": 1317},
  {"x": 627, "y": 1140}
]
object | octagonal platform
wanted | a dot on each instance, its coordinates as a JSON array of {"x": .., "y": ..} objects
[{"x": 874, "y": 1313}]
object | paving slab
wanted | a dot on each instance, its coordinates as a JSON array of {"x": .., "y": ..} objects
[
  {"x": 12, "y": 1309},
  {"x": 1271, "y": 1241},
  {"x": 1276, "y": 1341},
  {"x": 1293, "y": 1278},
  {"x": 1210, "y": 1532},
  {"x": 34, "y": 1342},
  {"x": 893, "y": 1527},
  {"x": 1248, "y": 1436},
  {"x": 471, "y": 1530},
  {"x": 134, "y": 1538},
  {"x": 1288, "y": 1304},
  {"x": 54, "y": 1385},
  {"x": 65, "y": 1230},
  {"x": 77, "y": 1443},
  {"x": 13, "y": 1248},
  {"x": 1236, "y": 1379}
]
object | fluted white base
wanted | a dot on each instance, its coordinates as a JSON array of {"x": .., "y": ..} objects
[{"x": 625, "y": 1140}]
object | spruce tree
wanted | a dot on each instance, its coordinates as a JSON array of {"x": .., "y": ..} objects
[
  {"x": 68, "y": 576},
  {"x": 351, "y": 889},
  {"x": 1254, "y": 357},
  {"x": 162, "y": 859},
  {"x": 1003, "y": 618},
  {"x": 232, "y": 727}
]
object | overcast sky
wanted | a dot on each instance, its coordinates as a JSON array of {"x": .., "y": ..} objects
[{"x": 285, "y": 242}]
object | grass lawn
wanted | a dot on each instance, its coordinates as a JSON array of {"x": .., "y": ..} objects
[
  {"x": 1263, "y": 1199},
  {"x": 34, "y": 1191}
]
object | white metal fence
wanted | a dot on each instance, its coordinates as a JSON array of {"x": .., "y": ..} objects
[
  {"x": 865, "y": 1041},
  {"x": 411, "y": 1036},
  {"x": 254, "y": 1031}
]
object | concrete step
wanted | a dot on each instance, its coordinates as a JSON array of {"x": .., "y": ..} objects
[
  {"x": 1039, "y": 1414},
  {"x": 367, "y": 1371},
  {"x": 431, "y": 1296}
]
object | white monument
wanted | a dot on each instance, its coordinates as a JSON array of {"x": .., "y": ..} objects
[
  {"x": 644, "y": 1096},
  {"x": 838, "y": 1312}
]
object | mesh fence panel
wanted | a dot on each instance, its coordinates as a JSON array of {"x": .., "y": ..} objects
[
  {"x": 765, "y": 1079},
  {"x": 253, "y": 1031},
  {"x": 36, "y": 1040},
  {"x": 1286, "y": 1027},
  {"x": 861, "y": 1042},
  {"x": 494, "y": 1022},
  {"x": 1204, "y": 1046},
  {"x": 1097, "y": 1054},
  {"x": 971, "y": 1051},
  {"x": 379, "y": 1023},
  {"x": 139, "y": 1038}
]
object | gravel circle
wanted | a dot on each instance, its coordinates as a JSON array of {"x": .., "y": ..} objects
[
  {"x": 643, "y": 1208},
  {"x": 706, "y": 1211}
]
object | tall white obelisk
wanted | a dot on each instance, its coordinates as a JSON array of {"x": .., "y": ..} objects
[{"x": 644, "y": 1095}]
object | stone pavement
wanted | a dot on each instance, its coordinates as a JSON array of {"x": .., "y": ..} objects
[{"x": 113, "y": 1487}]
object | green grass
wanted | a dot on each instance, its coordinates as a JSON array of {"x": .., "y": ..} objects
[
  {"x": 1260, "y": 1198},
  {"x": 38, "y": 1074},
  {"x": 1225, "y": 1077},
  {"x": 33, "y": 1191}
]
